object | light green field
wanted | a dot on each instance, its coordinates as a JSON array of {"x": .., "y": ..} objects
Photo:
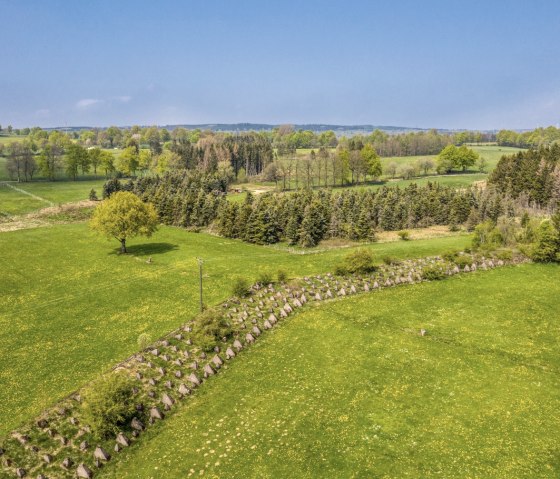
[
  {"x": 71, "y": 307},
  {"x": 491, "y": 153},
  {"x": 350, "y": 389},
  {"x": 14, "y": 202},
  {"x": 455, "y": 181}
]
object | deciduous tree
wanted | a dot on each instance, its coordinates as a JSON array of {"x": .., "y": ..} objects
[{"x": 122, "y": 216}]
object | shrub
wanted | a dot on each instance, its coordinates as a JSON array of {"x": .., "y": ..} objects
[
  {"x": 390, "y": 260},
  {"x": 505, "y": 255},
  {"x": 240, "y": 287},
  {"x": 93, "y": 195},
  {"x": 111, "y": 186},
  {"x": 209, "y": 328},
  {"x": 463, "y": 261},
  {"x": 433, "y": 273},
  {"x": 404, "y": 235},
  {"x": 108, "y": 404},
  {"x": 264, "y": 277},
  {"x": 282, "y": 276},
  {"x": 487, "y": 235},
  {"x": 450, "y": 256},
  {"x": 144, "y": 340},
  {"x": 340, "y": 270},
  {"x": 359, "y": 261}
]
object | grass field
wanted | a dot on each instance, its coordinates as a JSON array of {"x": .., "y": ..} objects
[
  {"x": 349, "y": 389},
  {"x": 71, "y": 307},
  {"x": 455, "y": 181},
  {"x": 491, "y": 153},
  {"x": 13, "y": 202}
]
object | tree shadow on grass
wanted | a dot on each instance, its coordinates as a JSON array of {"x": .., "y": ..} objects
[{"x": 148, "y": 249}]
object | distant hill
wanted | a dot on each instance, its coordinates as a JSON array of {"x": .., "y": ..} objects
[
  {"x": 315, "y": 127},
  {"x": 240, "y": 127}
]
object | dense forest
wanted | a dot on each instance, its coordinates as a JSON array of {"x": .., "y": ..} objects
[{"x": 532, "y": 176}]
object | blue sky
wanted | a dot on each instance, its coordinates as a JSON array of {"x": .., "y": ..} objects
[{"x": 446, "y": 64}]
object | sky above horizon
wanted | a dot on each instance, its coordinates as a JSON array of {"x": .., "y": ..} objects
[{"x": 432, "y": 64}]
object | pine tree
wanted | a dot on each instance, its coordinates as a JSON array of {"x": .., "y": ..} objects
[{"x": 313, "y": 225}]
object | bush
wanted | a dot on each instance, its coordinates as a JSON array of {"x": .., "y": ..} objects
[
  {"x": 486, "y": 235},
  {"x": 93, "y": 195},
  {"x": 390, "y": 260},
  {"x": 264, "y": 278},
  {"x": 505, "y": 255},
  {"x": 404, "y": 235},
  {"x": 450, "y": 256},
  {"x": 463, "y": 261},
  {"x": 111, "y": 186},
  {"x": 433, "y": 273},
  {"x": 282, "y": 276},
  {"x": 340, "y": 270},
  {"x": 359, "y": 261},
  {"x": 240, "y": 287},
  {"x": 209, "y": 328},
  {"x": 108, "y": 404},
  {"x": 144, "y": 340}
]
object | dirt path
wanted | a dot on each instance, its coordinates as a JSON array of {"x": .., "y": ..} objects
[{"x": 19, "y": 190}]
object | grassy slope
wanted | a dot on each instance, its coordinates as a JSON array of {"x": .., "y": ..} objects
[
  {"x": 71, "y": 307},
  {"x": 349, "y": 389},
  {"x": 13, "y": 202}
]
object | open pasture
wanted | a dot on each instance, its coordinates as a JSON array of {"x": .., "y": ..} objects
[
  {"x": 72, "y": 307},
  {"x": 350, "y": 389}
]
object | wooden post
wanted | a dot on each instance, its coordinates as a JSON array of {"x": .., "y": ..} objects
[{"x": 200, "y": 262}]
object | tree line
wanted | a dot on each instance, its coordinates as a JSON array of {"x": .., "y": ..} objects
[
  {"x": 194, "y": 199},
  {"x": 57, "y": 153},
  {"x": 539, "y": 137},
  {"x": 532, "y": 176}
]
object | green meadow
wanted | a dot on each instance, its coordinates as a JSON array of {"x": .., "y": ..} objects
[
  {"x": 350, "y": 389},
  {"x": 71, "y": 307},
  {"x": 43, "y": 194}
]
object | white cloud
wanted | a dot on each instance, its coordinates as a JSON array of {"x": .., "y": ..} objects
[{"x": 87, "y": 102}]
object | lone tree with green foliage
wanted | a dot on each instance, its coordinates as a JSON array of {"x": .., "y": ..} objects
[
  {"x": 124, "y": 216},
  {"x": 455, "y": 158}
]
